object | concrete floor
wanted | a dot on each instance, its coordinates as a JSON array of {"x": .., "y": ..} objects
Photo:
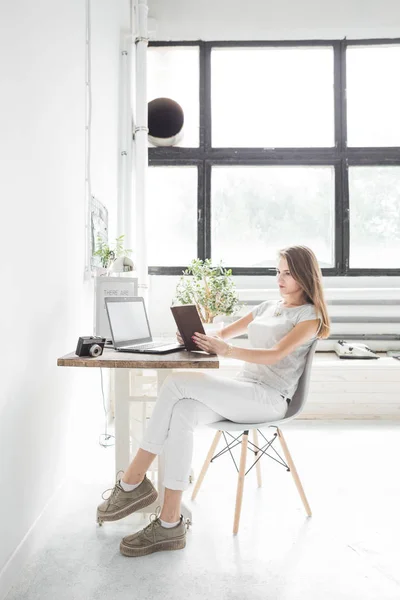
[{"x": 347, "y": 550}]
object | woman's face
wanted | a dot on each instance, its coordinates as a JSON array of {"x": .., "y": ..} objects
[{"x": 287, "y": 284}]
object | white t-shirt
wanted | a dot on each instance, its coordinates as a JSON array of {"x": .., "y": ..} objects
[{"x": 264, "y": 332}]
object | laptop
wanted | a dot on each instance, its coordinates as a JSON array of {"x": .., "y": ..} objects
[{"x": 130, "y": 329}]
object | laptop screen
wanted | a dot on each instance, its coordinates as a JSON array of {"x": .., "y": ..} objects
[{"x": 128, "y": 320}]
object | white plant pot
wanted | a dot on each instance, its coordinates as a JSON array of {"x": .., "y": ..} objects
[
  {"x": 101, "y": 272},
  {"x": 213, "y": 328}
]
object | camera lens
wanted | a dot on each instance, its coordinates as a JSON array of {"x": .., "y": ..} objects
[{"x": 95, "y": 350}]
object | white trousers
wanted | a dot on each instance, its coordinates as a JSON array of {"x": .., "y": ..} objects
[{"x": 187, "y": 399}]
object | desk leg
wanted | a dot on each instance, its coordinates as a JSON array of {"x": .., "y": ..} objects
[
  {"x": 122, "y": 438},
  {"x": 162, "y": 374},
  {"x": 121, "y": 408}
]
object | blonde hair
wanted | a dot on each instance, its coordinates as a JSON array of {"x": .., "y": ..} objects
[{"x": 304, "y": 268}]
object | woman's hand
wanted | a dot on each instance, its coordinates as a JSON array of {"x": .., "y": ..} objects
[
  {"x": 179, "y": 338},
  {"x": 211, "y": 344}
]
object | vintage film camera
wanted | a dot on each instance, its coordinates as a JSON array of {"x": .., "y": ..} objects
[{"x": 90, "y": 346}]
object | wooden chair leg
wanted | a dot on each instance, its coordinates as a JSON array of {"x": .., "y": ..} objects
[
  {"x": 258, "y": 463},
  {"x": 294, "y": 472},
  {"x": 206, "y": 463},
  {"x": 240, "y": 486}
]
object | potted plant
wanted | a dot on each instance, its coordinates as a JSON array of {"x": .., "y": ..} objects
[
  {"x": 211, "y": 289},
  {"x": 108, "y": 255}
]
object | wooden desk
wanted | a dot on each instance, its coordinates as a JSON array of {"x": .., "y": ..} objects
[
  {"x": 121, "y": 364},
  {"x": 110, "y": 359}
]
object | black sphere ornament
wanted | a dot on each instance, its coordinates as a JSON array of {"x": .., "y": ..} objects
[{"x": 165, "y": 122}]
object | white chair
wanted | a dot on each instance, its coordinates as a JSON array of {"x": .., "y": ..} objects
[{"x": 295, "y": 407}]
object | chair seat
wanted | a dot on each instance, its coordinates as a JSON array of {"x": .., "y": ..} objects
[{"x": 226, "y": 425}]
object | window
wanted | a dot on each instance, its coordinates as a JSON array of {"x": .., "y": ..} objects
[
  {"x": 374, "y": 217},
  {"x": 272, "y": 97},
  {"x": 257, "y": 210},
  {"x": 373, "y": 95},
  {"x": 285, "y": 143},
  {"x": 171, "y": 215}
]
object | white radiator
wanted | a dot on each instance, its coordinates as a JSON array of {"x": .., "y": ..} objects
[{"x": 371, "y": 314}]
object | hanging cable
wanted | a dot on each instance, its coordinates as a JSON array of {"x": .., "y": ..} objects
[
  {"x": 88, "y": 140},
  {"x": 104, "y": 438}
]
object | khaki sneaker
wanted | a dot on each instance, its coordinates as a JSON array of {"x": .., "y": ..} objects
[
  {"x": 155, "y": 537},
  {"x": 120, "y": 504}
]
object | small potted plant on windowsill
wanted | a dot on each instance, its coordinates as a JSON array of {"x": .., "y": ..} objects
[
  {"x": 109, "y": 255},
  {"x": 211, "y": 289}
]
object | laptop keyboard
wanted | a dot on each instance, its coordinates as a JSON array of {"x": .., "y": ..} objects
[{"x": 150, "y": 345}]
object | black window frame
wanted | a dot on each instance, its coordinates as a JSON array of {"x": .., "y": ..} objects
[{"x": 340, "y": 156}]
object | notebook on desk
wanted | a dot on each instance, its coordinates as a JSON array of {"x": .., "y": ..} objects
[{"x": 130, "y": 328}]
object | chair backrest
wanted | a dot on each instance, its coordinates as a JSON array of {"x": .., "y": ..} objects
[{"x": 300, "y": 395}]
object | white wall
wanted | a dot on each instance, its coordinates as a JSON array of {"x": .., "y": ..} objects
[
  {"x": 45, "y": 304},
  {"x": 274, "y": 19}
]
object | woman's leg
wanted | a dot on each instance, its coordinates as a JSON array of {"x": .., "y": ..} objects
[
  {"x": 185, "y": 400},
  {"x": 162, "y": 413},
  {"x": 232, "y": 399},
  {"x": 189, "y": 399},
  {"x": 186, "y": 415},
  {"x": 171, "y": 510},
  {"x": 137, "y": 469}
]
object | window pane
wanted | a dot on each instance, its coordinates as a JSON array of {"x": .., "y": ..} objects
[
  {"x": 272, "y": 97},
  {"x": 173, "y": 72},
  {"x": 374, "y": 217},
  {"x": 171, "y": 215},
  {"x": 373, "y": 96},
  {"x": 258, "y": 210}
]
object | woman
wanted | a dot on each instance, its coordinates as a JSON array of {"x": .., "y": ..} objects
[{"x": 280, "y": 335}]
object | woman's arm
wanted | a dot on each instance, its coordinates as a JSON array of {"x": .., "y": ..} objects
[
  {"x": 236, "y": 328},
  {"x": 232, "y": 330},
  {"x": 300, "y": 334}
]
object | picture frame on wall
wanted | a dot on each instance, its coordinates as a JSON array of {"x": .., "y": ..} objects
[{"x": 98, "y": 228}]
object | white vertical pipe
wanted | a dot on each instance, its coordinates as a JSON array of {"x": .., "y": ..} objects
[
  {"x": 131, "y": 130},
  {"x": 141, "y": 151},
  {"x": 124, "y": 216}
]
